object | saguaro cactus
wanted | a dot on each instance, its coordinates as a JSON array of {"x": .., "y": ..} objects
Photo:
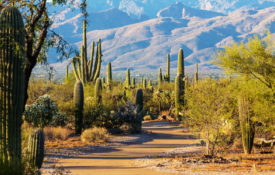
[
  {"x": 133, "y": 82},
  {"x": 139, "y": 100},
  {"x": 78, "y": 104},
  {"x": 67, "y": 73},
  {"x": 109, "y": 75},
  {"x": 128, "y": 79},
  {"x": 179, "y": 84},
  {"x": 84, "y": 70},
  {"x": 167, "y": 76},
  {"x": 160, "y": 79},
  {"x": 36, "y": 148},
  {"x": 197, "y": 74},
  {"x": 246, "y": 123},
  {"x": 98, "y": 90},
  {"x": 144, "y": 83},
  {"x": 12, "y": 60}
]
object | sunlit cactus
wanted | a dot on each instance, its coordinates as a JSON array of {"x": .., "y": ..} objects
[
  {"x": 87, "y": 70},
  {"x": 167, "y": 76},
  {"x": 109, "y": 75},
  {"x": 246, "y": 123},
  {"x": 98, "y": 90},
  {"x": 128, "y": 79}
]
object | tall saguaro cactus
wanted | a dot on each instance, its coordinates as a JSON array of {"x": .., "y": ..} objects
[
  {"x": 246, "y": 123},
  {"x": 36, "y": 148},
  {"x": 128, "y": 79},
  {"x": 167, "y": 76},
  {"x": 197, "y": 74},
  {"x": 144, "y": 83},
  {"x": 133, "y": 82},
  {"x": 12, "y": 60},
  {"x": 179, "y": 84},
  {"x": 160, "y": 78},
  {"x": 78, "y": 106},
  {"x": 98, "y": 90},
  {"x": 139, "y": 100},
  {"x": 87, "y": 70},
  {"x": 109, "y": 75}
]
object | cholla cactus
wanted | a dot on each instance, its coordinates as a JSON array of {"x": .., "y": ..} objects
[{"x": 42, "y": 112}]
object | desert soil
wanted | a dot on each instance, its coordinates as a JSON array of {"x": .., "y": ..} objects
[{"x": 123, "y": 159}]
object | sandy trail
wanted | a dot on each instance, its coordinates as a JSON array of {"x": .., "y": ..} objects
[{"x": 119, "y": 160}]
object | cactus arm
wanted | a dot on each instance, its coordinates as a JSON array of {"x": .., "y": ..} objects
[
  {"x": 91, "y": 61},
  {"x": 98, "y": 60},
  {"x": 83, "y": 65},
  {"x": 76, "y": 74}
]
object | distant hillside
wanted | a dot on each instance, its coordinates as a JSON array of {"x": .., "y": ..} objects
[{"x": 143, "y": 46}]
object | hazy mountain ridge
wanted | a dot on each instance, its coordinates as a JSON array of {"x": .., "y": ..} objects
[{"x": 144, "y": 45}]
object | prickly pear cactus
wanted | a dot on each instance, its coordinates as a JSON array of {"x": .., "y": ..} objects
[
  {"x": 12, "y": 60},
  {"x": 36, "y": 148}
]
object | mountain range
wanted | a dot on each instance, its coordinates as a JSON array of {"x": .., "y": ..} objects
[{"x": 141, "y": 42}]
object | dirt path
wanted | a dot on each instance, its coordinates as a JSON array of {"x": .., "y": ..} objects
[{"x": 119, "y": 161}]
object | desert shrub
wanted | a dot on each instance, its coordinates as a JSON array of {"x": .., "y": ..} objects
[
  {"x": 210, "y": 110},
  {"x": 128, "y": 115},
  {"x": 95, "y": 134},
  {"x": 42, "y": 112},
  {"x": 57, "y": 133},
  {"x": 147, "y": 117}
]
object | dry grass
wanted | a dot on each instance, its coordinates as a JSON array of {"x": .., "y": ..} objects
[
  {"x": 94, "y": 135},
  {"x": 57, "y": 133}
]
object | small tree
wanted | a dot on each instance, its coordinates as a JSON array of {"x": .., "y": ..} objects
[
  {"x": 255, "y": 59},
  {"x": 209, "y": 110}
]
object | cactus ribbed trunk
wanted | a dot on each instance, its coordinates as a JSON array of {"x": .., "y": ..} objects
[
  {"x": 197, "y": 74},
  {"x": 246, "y": 123},
  {"x": 144, "y": 83},
  {"x": 78, "y": 106},
  {"x": 128, "y": 79},
  {"x": 109, "y": 75},
  {"x": 133, "y": 83},
  {"x": 180, "y": 63},
  {"x": 12, "y": 60},
  {"x": 160, "y": 79},
  {"x": 139, "y": 100},
  {"x": 167, "y": 76},
  {"x": 36, "y": 148},
  {"x": 98, "y": 91},
  {"x": 179, "y": 84},
  {"x": 67, "y": 74}
]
